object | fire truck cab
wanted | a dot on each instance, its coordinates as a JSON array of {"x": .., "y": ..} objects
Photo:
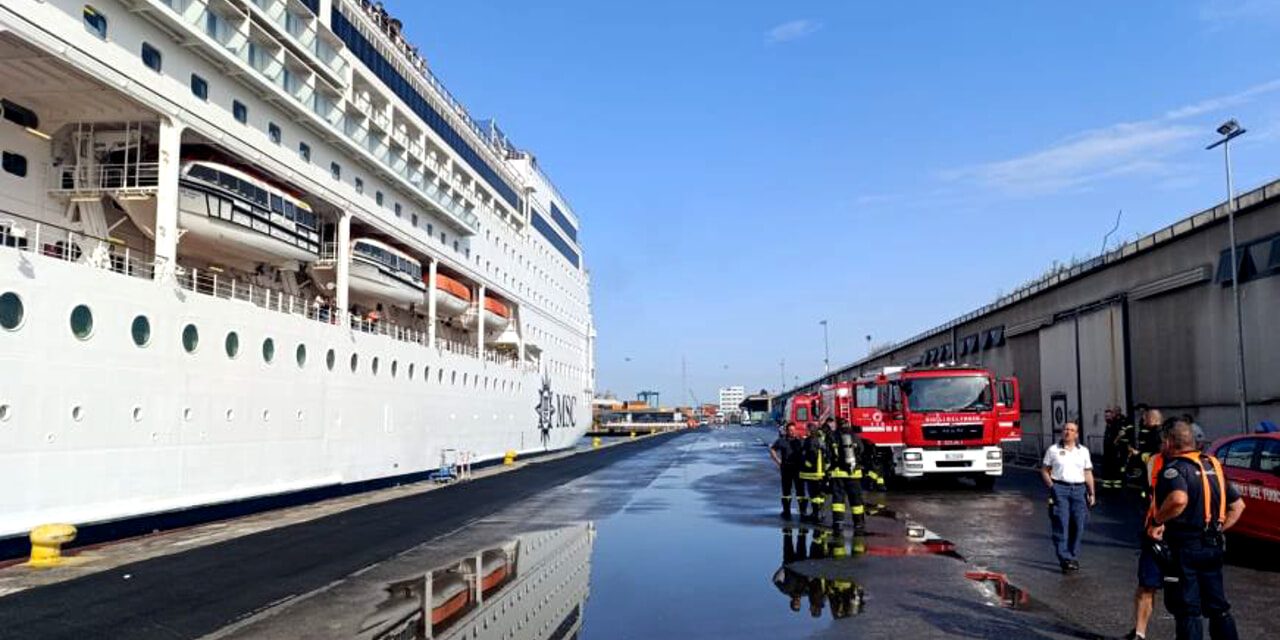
[{"x": 940, "y": 420}]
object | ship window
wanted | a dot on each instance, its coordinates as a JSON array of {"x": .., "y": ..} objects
[
  {"x": 335, "y": 170},
  {"x": 199, "y": 87},
  {"x": 273, "y": 132},
  {"x": 397, "y": 208},
  {"x": 151, "y": 57},
  {"x": 355, "y": 362},
  {"x": 240, "y": 111},
  {"x": 14, "y": 164},
  {"x": 359, "y": 185},
  {"x": 277, "y": 205},
  {"x": 411, "y": 370},
  {"x": 395, "y": 366},
  {"x": 304, "y": 151},
  {"x": 19, "y": 115},
  {"x": 81, "y": 322},
  {"x": 141, "y": 330},
  {"x": 268, "y": 350},
  {"x": 300, "y": 354},
  {"x": 426, "y": 373},
  {"x": 95, "y": 22},
  {"x": 330, "y": 359},
  {"x": 374, "y": 365},
  {"x": 430, "y": 231},
  {"x": 11, "y": 311},
  {"x": 190, "y": 338},
  {"x": 415, "y": 220},
  {"x": 232, "y": 344}
]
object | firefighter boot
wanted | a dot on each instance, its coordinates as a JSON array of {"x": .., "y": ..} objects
[
  {"x": 859, "y": 524},
  {"x": 786, "y": 509}
]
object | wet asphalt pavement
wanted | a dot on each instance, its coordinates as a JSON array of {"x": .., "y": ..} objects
[{"x": 676, "y": 536}]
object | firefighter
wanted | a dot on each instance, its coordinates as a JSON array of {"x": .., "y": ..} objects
[
  {"x": 787, "y": 454},
  {"x": 845, "y": 476},
  {"x": 1197, "y": 507},
  {"x": 1113, "y": 456},
  {"x": 813, "y": 471}
]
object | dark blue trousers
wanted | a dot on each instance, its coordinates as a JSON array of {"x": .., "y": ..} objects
[
  {"x": 1068, "y": 516},
  {"x": 1199, "y": 591}
]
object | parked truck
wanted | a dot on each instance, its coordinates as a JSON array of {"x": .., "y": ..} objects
[{"x": 925, "y": 421}]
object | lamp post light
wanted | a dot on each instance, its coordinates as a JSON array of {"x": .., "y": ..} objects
[
  {"x": 1229, "y": 130},
  {"x": 826, "y": 349}
]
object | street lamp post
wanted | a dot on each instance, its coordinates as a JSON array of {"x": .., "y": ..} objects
[
  {"x": 783, "y": 363},
  {"x": 1229, "y": 130},
  {"x": 826, "y": 349}
]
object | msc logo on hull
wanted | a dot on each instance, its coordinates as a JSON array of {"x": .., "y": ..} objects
[{"x": 554, "y": 411}]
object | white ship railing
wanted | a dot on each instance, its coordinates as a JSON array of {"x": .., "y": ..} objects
[
  {"x": 139, "y": 178},
  {"x": 60, "y": 243}
]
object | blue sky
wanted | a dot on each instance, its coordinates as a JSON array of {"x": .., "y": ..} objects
[{"x": 745, "y": 169}]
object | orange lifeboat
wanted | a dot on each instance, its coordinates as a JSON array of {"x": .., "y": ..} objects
[
  {"x": 450, "y": 594},
  {"x": 452, "y": 297},
  {"x": 497, "y": 315}
]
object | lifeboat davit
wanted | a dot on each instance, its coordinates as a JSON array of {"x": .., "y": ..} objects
[
  {"x": 452, "y": 297},
  {"x": 497, "y": 315}
]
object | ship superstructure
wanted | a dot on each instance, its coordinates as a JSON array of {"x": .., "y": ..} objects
[{"x": 249, "y": 247}]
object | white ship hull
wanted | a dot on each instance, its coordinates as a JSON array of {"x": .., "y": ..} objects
[
  {"x": 118, "y": 422},
  {"x": 160, "y": 429}
]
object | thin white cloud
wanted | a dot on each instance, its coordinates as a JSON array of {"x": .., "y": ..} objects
[
  {"x": 1219, "y": 14},
  {"x": 1131, "y": 148},
  {"x": 793, "y": 30}
]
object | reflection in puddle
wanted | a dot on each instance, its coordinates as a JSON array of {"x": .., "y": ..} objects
[
  {"x": 531, "y": 587},
  {"x": 838, "y": 591},
  {"x": 999, "y": 588}
]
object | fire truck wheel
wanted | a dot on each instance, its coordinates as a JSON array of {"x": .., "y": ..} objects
[{"x": 985, "y": 482}]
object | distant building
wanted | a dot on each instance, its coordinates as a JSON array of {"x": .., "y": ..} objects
[{"x": 730, "y": 398}]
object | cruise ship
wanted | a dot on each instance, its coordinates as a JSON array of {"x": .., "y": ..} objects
[{"x": 255, "y": 247}]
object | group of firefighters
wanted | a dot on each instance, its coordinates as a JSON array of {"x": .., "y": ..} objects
[{"x": 823, "y": 470}]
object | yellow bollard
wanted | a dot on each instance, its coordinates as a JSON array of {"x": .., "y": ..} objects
[
  {"x": 510, "y": 458},
  {"x": 46, "y": 544},
  {"x": 595, "y": 442}
]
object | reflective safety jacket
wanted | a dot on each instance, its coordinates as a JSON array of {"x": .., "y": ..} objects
[{"x": 814, "y": 459}]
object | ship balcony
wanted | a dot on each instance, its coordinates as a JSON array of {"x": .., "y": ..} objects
[{"x": 292, "y": 24}]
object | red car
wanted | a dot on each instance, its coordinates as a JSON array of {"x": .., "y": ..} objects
[{"x": 1252, "y": 463}]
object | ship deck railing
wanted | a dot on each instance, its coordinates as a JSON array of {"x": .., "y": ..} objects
[
  {"x": 52, "y": 241},
  {"x": 136, "y": 179}
]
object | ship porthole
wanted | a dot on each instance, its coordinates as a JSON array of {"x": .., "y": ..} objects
[
  {"x": 266, "y": 415},
  {"x": 330, "y": 359},
  {"x": 190, "y": 338},
  {"x": 232, "y": 344},
  {"x": 77, "y": 413},
  {"x": 374, "y": 365},
  {"x": 411, "y": 366},
  {"x": 268, "y": 350},
  {"x": 300, "y": 415},
  {"x": 231, "y": 415},
  {"x": 11, "y": 311},
  {"x": 6, "y": 412},
  {"x": 141, "y": 330},
  {"x": 136, "y": 413},
  {"x": 81, "y": 322},
  {"x": 394, "y": 366},
  {"x": 300, "y": 354},
  {"x": 186, "y": 414},
  {"x": 355, "y": 362}
]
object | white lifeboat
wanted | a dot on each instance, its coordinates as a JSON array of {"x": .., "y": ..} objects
[
  {"x": 227, "y": 215},
  {"x": 380, "y": 274},
  {"x": 452, "y": 297}
]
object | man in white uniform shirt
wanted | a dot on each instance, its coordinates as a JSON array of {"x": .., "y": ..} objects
[{"x": 1068, "y": 473}]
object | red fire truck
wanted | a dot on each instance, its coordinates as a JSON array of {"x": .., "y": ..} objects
[{"x": 921, "y": 421}]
